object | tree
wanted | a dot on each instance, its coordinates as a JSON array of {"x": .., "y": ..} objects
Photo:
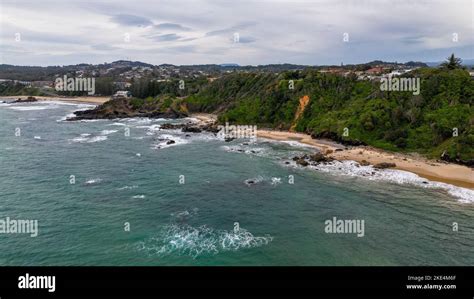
[{"x": 452, "y": 63}]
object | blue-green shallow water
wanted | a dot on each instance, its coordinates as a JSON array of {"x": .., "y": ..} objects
[{"x": 193, "y": 223}]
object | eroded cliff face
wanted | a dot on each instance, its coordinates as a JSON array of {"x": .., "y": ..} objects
[{"x": 304, "y": 101}]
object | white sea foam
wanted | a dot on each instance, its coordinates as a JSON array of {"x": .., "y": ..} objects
[
  {"x": 70, "y": 115},
  {"x": 128, "y": 187},
  {"x": 202, "y": 240},
  {"x": 97, "y": 139},
  {"x": 59, "y": 101},
  {"x": 37, "y": 137},
  {"x": 84, "y": 138},
  {"x": 165, "y": 138},
  {"x": 353, "y": 169},
  {"x": 33, "y": 108},
  {"x": 108, "y": 132},
  {"x": 93, "y": 181},
  {"x": 140, "y": 196},
  {"x": 117, "y": 124},
  {"x": 257, "y": 151}
]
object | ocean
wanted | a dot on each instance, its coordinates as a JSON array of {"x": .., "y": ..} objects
[{"x": 117, "y": 192}]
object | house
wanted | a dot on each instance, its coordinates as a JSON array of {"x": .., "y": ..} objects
[
  {"x": 375, "y": 71},
  {"x": 122, "y": 94},
  {"x": 122, "y": 85},
  {"x": 43, "y": 84}
]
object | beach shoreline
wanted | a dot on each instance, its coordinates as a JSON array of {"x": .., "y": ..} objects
[
  {"x": 450, "y": 173},
  {"x": 79, "y": 100},
  {"x": 454, "y": 174}
]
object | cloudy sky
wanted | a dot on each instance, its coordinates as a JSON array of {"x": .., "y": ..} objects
[{"x": 246, "y": 32}]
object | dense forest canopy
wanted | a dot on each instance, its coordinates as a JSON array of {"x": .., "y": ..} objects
[{"x": 438, "y": 120}]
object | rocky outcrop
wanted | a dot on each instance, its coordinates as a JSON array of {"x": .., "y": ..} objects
[
  {"x": 124, "y": 108},
  {"x": 319, "y": 157},
  {"x": 445, "y": 157},
  {"x": 384, "y": 165},
  {"x": 313, "y": 159},
  {"x": 29, "y": 99}
]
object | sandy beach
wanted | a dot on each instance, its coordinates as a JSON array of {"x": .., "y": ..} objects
[
  {"x": 454, "y": 174},
  {"x": 450, "y": 173},
  {"x": 84, "y": 99}
]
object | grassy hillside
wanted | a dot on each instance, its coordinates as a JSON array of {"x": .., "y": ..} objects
[{"x": 398, "y": 121}]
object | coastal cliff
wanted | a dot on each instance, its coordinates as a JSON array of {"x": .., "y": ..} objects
[{"x": 131, "y": 107}]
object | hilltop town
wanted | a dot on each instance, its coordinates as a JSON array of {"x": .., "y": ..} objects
[{"x": 120, "y": 75}]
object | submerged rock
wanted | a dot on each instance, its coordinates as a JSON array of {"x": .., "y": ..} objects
[{"x": 29, "y": 99}]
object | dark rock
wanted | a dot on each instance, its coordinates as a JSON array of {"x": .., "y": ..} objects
[
  {"x": 124, "y": 108},
  {"x": 445, "y": 157},
  {"x": 170, "y": 142},
  {"x": 302, "y": 162},
  {"x": 169, "y": 126},
  {"x": 29, "y": 99},
  {"x": 319, "y": 157},
  {"x": 364, "y": 163},
  {"x": 384, "y": 165},
  {"x": 191, "y": 129}
]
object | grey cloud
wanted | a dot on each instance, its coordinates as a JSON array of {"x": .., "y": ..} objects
[
  {"x": 232, "y": 29},
  {"x": 131, "y": 20},
  {"x": 412, "y": 40},
  {"x": 246, "y": 39},
  {"x": 165, "y": 37},
  {"x": 172, "y": 26},
  {"x": 104, "y": 47}
]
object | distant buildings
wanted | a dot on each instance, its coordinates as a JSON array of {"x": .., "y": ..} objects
[
  {"x": 122, "y": 85},
  {"x": 375, "y": 70},
  {"x": 122, "y": 94}
]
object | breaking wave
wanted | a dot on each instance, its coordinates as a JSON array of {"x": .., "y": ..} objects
[{"x": 199, "y": 241}]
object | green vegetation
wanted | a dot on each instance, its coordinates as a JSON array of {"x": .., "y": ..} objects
[
  {"x": 11, "y": 89},
  {"x": 150, "y": 88},
  {"x": 397, "y": 121},
  {"x": 452, "y": 63}
]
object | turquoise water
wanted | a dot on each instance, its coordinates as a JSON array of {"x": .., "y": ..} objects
[{"x": 127, "y": 179}]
